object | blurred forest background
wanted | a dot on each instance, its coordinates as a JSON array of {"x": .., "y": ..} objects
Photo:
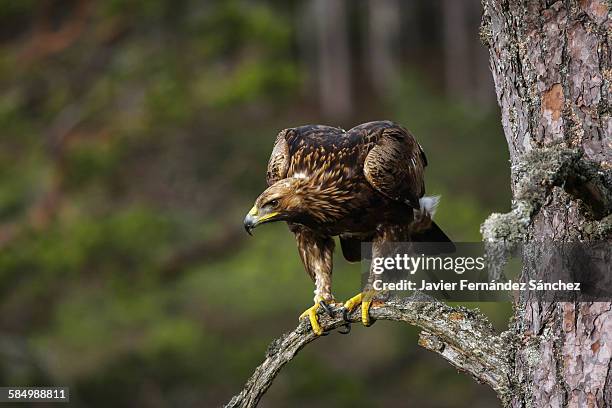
[{"x": 135, "y": 137}]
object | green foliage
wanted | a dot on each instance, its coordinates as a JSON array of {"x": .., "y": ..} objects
[
  {"x": 153, "y": 9},
  {"x": 11, "y": 8},
  {"x": 233, "y": 24},
  {"x": 251, "y": 81}
]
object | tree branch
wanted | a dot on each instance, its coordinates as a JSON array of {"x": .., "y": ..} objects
[
  {"x": 462, "y": 336},
  {"x": 535, "y": 175}
]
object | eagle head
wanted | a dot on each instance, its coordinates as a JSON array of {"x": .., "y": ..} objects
[{"x": 282, "y": 201}]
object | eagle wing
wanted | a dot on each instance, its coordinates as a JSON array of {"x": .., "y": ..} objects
[
  {"x": 394, "y": 166},
  {"x": 305, "y": 148},
  {"x": 279, "y": 159}
]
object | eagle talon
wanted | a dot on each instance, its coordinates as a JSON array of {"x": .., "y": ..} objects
[
  {"x": 367, "y": 320},
  {"x": 326, "y": 307},
  {"x": 312, "y": 314},
  {"x": 347, "y": 329},
  {"x": 350, "y": 305},
  {"x": 345, "y": 315},
  {"x": 365, "y": 313},
  {"x": 363, "y": 299}
]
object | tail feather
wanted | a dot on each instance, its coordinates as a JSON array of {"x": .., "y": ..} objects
[
  {"x": 431, "y": 234},
  {"x": 429, "y": 205},
  {"x": 428, "y": 231}
]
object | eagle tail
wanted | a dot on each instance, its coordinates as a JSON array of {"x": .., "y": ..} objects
[
  {"x": 425, "y": 229},
  {"x": 429, "y": 205},
  {"x": 431, "y": 234}
]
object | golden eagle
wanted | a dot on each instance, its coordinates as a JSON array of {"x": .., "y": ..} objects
[{"x": 364, "y": 185}]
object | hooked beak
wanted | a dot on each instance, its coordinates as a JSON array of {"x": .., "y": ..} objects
[
  {"x": 253, "y": 219},
  {"x": 250, "y": 222}
]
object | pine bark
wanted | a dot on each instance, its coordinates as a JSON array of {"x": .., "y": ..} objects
[{"x": 551, "y": 64}]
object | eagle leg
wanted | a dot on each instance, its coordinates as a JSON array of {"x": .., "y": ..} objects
[
  {"x": 365, "y": 300},
  {"x": 365, "y": 313},
  {"x": 316, "y": 252},
  {"x": 350, "y": 305},
  {"x": 312, "y": 313}
]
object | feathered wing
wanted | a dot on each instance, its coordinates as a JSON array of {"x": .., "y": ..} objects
[
  {"x": 394, "y": 166},
  {"x": 278, "y": 164},
  {"x": 299, "y": 149}
]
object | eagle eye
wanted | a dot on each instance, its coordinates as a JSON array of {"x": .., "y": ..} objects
[{"x": 272, "y": 203}]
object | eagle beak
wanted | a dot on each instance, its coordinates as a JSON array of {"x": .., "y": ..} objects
[
  {"x": 253, "y": 219},
  {"x": 250, "y": 222}
]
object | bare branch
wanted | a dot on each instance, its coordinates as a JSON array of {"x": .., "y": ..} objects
[{"x": 462, "y": 336}]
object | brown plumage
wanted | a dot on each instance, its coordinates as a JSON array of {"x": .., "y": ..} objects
[{"x": 360, "y": 185}]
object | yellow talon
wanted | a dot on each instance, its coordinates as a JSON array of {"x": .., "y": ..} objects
[
  {"x": 353, "y": 302},
  {"x": 311, "y": 313},
  {"x": 365, "y": 312},
  {"x": 365, "y": 299}
]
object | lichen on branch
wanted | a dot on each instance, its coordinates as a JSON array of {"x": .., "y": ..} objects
[{"x": 535, "y": 175}]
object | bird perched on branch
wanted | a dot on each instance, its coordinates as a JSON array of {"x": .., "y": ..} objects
[{"x": 364, "y": 185}]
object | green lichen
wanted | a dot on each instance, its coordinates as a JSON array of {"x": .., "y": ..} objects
[
  {"x": 509, "y": 227},
  {"x": 532, "y": 355},
  {"x": 600, "y": 230},
  {"x": 540, "y": 170},
  {"x": 485, "y": 33},
  {"x": 535, "y": 175}
]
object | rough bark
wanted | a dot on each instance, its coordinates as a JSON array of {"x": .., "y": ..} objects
[
  {"x": 552, "y": 71},
  {"x": 463, "y": 337}
]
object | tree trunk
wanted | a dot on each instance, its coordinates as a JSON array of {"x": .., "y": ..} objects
[
  {"x": 552, "y": 71},
  {"x": 484, "y": 93}
]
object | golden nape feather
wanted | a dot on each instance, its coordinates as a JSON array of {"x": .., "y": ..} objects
[{"x": 365, "y": 184}]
